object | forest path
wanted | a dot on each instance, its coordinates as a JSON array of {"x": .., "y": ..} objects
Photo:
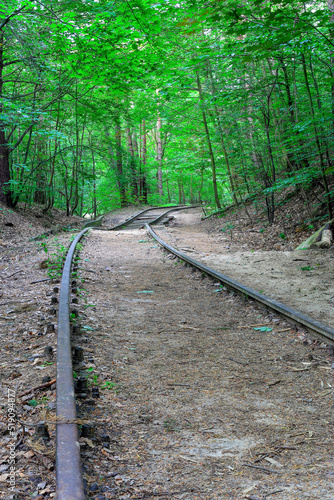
[
  {"x": 302, "y": 280},
  {"x": 200, "y": 393}
]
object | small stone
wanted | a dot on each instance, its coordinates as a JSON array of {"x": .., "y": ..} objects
[
  {"x": 34, "y": 356},
  {"x": 105, "y": 438},
  {"x": 95, "y": 392},
  {"x": 41, "y": 431},
  {"x": 94, "y": 487},
  {"x": 50, "y": 328},
  {"x": 48, "y": 351}
]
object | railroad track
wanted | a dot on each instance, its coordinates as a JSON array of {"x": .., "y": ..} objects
[
  {"x": 69, "y": 478},
  {"x": 69, "y": 481}
]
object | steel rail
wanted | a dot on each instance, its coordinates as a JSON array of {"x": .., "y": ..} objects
[
  {"x": 69, "y": 481},
  {"x": 157, "y": 219},
  {"x": 320, "y": 329},
  {"x": 134, "y": 217}
]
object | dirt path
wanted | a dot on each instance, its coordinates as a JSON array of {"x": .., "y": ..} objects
[
  {"x": 188, "y": 396},
  {"x": 303, "y": 279},
  {"x": 195, "y": 403}
]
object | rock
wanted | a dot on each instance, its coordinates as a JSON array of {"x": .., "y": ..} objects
[{"x": 94, "y": 487}]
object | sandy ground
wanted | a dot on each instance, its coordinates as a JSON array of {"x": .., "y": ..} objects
[{"x": 303, "y": 279}]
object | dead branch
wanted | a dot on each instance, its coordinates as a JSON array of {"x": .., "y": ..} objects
[{"x": 42, "y": 386}]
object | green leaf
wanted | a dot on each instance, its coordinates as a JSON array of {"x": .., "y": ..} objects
[{"x": 263, "y": 329}]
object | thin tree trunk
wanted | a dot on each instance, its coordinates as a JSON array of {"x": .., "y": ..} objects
[
  {"x": 50, "y": 193},
  {"x": 159, "y": 158},
  {"x": 212, "y": 158},
  {"x": 167, "y": 185},
  {"x": 143, "y": 183},
  {"x": 221, "y": 135},
  {"x": 5, "y": 192},
  {"x": 330, "y": 4},
  {"x": 132, "y": 162},
  {"x": 317, "y": 140},
  {"x": 119, "y": 164}
]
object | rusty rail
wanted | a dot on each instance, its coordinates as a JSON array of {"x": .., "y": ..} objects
[
  {"x": 325, "y": 332},
  {"x": 134, "y": 217},
  {"x": 68, "y": 469}
]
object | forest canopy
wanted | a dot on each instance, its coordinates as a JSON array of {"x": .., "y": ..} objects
[{"x": 106, "y": 103}]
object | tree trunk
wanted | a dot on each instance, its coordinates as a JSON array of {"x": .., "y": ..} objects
[
  {"x": 331, "y": 34},
  {"x": 317, "y": 140},
  {"x": 159, "y": 158},
  {"x": 40, "y": 186},
  {"x": 212, "y": 158},
  {"x": 132, "y": 163},
  {"x": 221, "y": 135},
  {"x": 5, "y": 192},
  {"x": 119, "y": 165},
  {"x": 143, "y": 183},
  {"x": 179, "y": 183},
  {"x": 167, "y": 185}
]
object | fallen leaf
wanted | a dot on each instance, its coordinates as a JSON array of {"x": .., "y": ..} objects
[
  {"x": 29, "y": 454},
  {"x": 273, "y": 461},
  {"x": 250, "y": 488},
  {"x": 87, "y": 441}
]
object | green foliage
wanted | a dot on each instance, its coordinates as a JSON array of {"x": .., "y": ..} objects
[
  {"x": 108, "y": 385},
  {"x": 56, "y": 259},
  {"x": 84, "y": 82}
]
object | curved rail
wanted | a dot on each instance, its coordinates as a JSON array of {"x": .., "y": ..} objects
[
  {"x": 325, "y": 332},
  {"x": 69, "y": 478},
  {"x": 157, "y": 219},
  {"x": 134, "y": 217},
  {"x": 69, "y": 481}
]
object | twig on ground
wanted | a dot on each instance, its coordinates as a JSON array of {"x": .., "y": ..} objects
[
  {"x": 28, "y": 391},
  {"x": 40, "y": 281},
  {"x": 272, "y": 493},
  {"x": 239, "y": 362},
  {"x": 17, "y": 272},
  {"x": 251, "y": 326},
  {"x": 269, "y": 471},
  {"x": 181, "y": 385},
  {"x": 165, "y": 494},
  {"x": 88, "y": 270}
]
